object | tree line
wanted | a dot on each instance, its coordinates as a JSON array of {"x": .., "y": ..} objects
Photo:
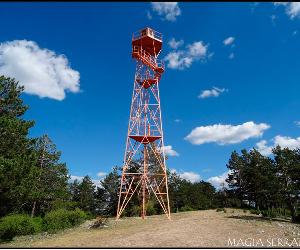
[
  {"x": 34, "y": 180},
  {"x": 31, "y": 174},
  {"x": 103, "y": 200},
  {"x": 266, "y": 183}
]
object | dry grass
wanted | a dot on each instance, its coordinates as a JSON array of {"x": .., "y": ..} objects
[{"x": 189, "y": 229}]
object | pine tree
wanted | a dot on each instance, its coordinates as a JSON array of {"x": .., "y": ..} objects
[
  {"x": 31, "y": 176},
  {"x": 287, "y": 163},
  {"x": 74, "y": 191},
  {"x": 237, "y": 168},
  {"x": 48, "y": 180},
  {"x": 109, "y": 191},
  {"x": 261, "y": 180},
  {"x": 87, "y": 195},
  {"x": 174, "y": 182},
  {"x": 16, "y": 154}
]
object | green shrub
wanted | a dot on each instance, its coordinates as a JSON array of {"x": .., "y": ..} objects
[
  {"x": 56, "y": 220},
  {"x": 60, "y": 219},
  {"x": 77, "y": 216},
  {"x": 255, "y": 211},
  {"x": 18, "y": 224},
  {"x": 135, "y": 211},
  {"x": 61, "y": 204},
  {"x": 273, "y": 212},
  {"x": 150, "y": 208},
  {"x": 282, "y": 212},
  {"x": 270, "y": 213},
  {"x": 38, "y": 224},
  {"x": 264, "y": 213},
  {"x": 89, "y": 216},
  {"x": 287, "y": 212},
  {"x": 186, "y": 208}
]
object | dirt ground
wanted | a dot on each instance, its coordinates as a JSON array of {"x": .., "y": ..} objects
[{"x": 189, "y": 229}]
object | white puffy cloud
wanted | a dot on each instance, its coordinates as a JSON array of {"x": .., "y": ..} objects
[
  {"x": 41, "y": 71},
  {"x": 197, "y": 49},
  {"x": 182, "y": 59},
  {"x": 189, "y": 176},
  {"x": 101, "y": 174},
  {"x": 219, "y": 181},
  {"x": 282, "y": 141},
  {"x": 169, "y": 151},
  {"x": 178, "y": 60},
  {"x": 263, "y": 148},
  {"x": 173, "y": 170},
  {"x": 175, "y": 44},
  {"x": 297, "y": 123},
  {"x": 214, "y": 92},
  {"x": 231, "y": 56},
  {"x": 228, "y": 40},
  {"x": 168, "y": 10},
  {"x": 292, "y": 9},
  {"x": 287, "y": 142},
  {"x": 80, "y": 178},
  {"x": 226, "y": 134},
  {"x": 75, "y": 177}
]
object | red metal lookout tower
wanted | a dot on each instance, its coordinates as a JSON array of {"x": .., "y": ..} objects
[{"x": 144, "y": 170}]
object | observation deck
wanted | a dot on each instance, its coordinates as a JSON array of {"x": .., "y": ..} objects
[
  {"x": 148, "y": 39},
  {"x": 146, "y": 46}
]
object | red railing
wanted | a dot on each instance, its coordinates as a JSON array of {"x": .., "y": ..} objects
[
  {"x": 147, "y": 58},
  {"x": 147, "y": 32}
]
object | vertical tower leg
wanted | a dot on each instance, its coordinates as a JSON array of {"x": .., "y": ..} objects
[{"x": 144, "y": 183}]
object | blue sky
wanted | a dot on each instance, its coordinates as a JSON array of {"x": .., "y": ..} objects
[{"x": 232, "y": 78}]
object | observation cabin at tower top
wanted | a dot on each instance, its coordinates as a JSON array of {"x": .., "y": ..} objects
[{"x": 148, "y": 39}]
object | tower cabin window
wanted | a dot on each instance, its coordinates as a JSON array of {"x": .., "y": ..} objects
[{"x": 147, "y": 32}]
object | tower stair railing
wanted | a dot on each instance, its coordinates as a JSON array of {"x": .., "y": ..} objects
[{"x": 140, "y": 54}]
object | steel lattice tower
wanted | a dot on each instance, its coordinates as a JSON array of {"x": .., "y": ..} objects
[{"x": 144, "y": 170}]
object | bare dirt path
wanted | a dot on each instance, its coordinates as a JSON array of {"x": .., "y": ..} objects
[{"x": 189, "y": 229}]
